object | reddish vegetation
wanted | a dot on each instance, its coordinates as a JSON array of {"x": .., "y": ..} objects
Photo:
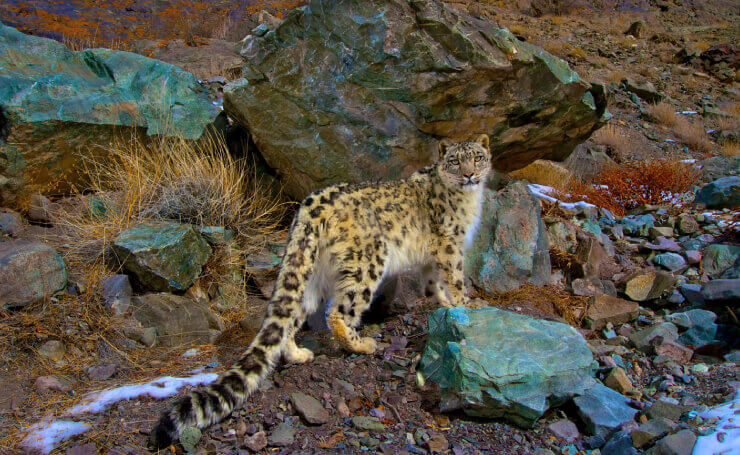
[
  {"x": 621, "y": 187},
  {"x": 119, "y": 23}
]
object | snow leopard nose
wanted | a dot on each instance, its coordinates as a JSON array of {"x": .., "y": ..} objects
[{"x": 469, "y": 175}]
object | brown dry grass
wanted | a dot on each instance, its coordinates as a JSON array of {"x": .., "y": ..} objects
[
  {"x": 663, "y": 113},
  {"x": 544, "y": 172},
  {"x": 169, "y": 179},
  {"x": 621, "y": 187},
  {"x": 614, "y": 137},
  {"x": 545, "y": 299},
  {"x": 730, "y": 149},
  {"x": 693, "y": 135}
]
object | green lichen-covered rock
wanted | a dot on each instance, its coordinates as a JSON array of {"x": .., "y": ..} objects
[
  {"x": 57, "y": 106},
  {"x": 162, "y": 256},
  {"x": 29, "y": 272},
  {"x": 511, "y": 246},
  {"x": 495, "y": 363},
  {"x": 349, "y": 91},
  {"x": 718, "y": 258}
]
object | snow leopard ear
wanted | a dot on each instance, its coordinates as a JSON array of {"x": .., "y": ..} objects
[
  {"x": 444, "y": 144},
  {"x": 482, "y": 139}
]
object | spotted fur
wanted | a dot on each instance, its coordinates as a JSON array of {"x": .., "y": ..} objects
[{"x": 344, "y": 241}]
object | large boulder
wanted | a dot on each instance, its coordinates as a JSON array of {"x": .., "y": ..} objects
[
  {"x": 162, "y": 256},
  {"x": 348, "y": 91},
  {"x": 718, "y": 258},
  {"x": 58, "y": 106},
  {"x": 721, "y": 193},
  {"x": 29, "y": 272},
  {"x": 495, "y": 363},
  {"x": 511, "y": 244},
  {"x": 177, "y": 319}
]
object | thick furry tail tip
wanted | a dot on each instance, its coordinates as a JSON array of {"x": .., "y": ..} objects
[{"x": 164, "y": 434}]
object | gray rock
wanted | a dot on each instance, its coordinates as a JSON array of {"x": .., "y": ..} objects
[
  {"x": 189, "y": 438},
  {"x": 367, "y": 423},
  {"x": 671, "y": 261},
  {"x": 53, "y": 350},
  {"x": 11, "y": 223},
  {"x": 309, "y": 408},
  {"x": 40, "y": 209},
  {"x": 256, "y": 442},
  {"x": 651, "y": 430},
  {"x": 469, "y": 353},
  {"x": 660, "y": 231},
  {"x": 637, "y": 225},
  {"x": 178, "y": 320},
  {"x": 663, "y": 244},
  {"x": 216, "y": 235},
  {"x": 644, "y": 90},
  {"x": 380, "y": 78},
  {"x": 282, "y": 436},
  {"x": 117, "y": 293},
  {"x": 502, "y": 258},
  {"x": 619, "y": 444},
  {"x": 693, "y": 257},
  {"x": 29, "y": 272},
  {"x": 722, "y": 193},
  {"x": 642, "y": 339},
  {"x": 82, "y": 449},
  {"x": 162, "y": 256},
  {"x": 53, "y": 383},
  {"x": 648, "y": 286},
  {"x": 692, "y": 293},
  {"x": 102, "y": 371},
  {"x": 602, "y": 409},
  {"x": 687, "y": 224},
  {"x": 719, "y": 257},
  {"x": 721, "y": 290},
  {"x": 680, "y": 443},
  {"x": 587, "y": 286},
  {"x": 666, "y": 410},
  {"x": 564, "y": 429}
]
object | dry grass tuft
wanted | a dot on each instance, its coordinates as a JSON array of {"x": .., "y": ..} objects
[
  {"x": 621, "y": 187},
  {"x": 546, "y": 299},
  {"x": 693, "y": 135},
  {"x": 198, "y": 183},
  {"x": 543, "y": 172},
  {"x": 663, "y": 113},
  {"x": 730, "y": 149},
  {"x": 614, "y": 137}
]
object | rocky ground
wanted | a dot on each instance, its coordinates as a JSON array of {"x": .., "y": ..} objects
[{"x": 638, "y": 309}]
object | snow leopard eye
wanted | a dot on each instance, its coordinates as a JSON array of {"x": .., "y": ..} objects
[
  {"x": 455, "y": 162},
  {"x": 478, "y": 158}
]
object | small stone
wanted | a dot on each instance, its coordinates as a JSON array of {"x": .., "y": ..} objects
[
  {"x": 367, "y": 423},
  {"x": 670, "y": 261},
  {"x": 618, "y": 380},
  {"x": 342, "y": 409},
  {"x": 55, "y": 383},
  {"x": 102, "y": 372},
  {"x": 189, "y": 438},
  {"x": 699, "y": 368},
  {"x": 256, "y": 442},
  {"x": 40, "y": 209},
  {"x": 660, "y": 231},
  {"x": 437, "y": 443},
  {"x": 309, "y": 408},
  {"x": 636, "y": 29},
  {"x": 82, "y": 449},
  {"x": 53, "y": 349},
  {"x": 680, "y": 443},
  {"x": 282, "y": 435},
  {"x": 719, "y": 257},
  {"x": 651, "y": 430},
  {"x": 693, "y": 257},
  {"x": 643, "y": 338},
  {"x": 587, "y": 286},
  {"x": 619, "y": 444},
  {"x": 564, "y": 429},
  {"x": 603, "y": 409},
  {"x": 721, "y": 291},
  {"x": 11, "y": 222}
]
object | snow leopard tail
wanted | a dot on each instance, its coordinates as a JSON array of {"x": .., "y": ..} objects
[{"x": 211, "y": 404}]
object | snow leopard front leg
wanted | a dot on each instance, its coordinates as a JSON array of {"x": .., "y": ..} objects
[{"x": 449, "y": 262}]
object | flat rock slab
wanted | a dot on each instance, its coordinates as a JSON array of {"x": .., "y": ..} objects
[
  {"x": 495, "y": 363},
  {"x": 29, "y": 272},
  {"x": 603, "y": 309},
  {"x": 309, "y": 408},
  {"x": 361, "y": 90},
  {"x": 162, "y": 256},
  {"x": 648, "y": 286}
]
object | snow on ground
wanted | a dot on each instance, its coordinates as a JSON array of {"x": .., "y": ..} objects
[
  {"x": 543, "y": 192},
  {"x": 43, "y": 436},
  {"x": 725, "y": 439}
]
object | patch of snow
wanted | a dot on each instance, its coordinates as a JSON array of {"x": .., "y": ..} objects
[
  {"x": 690, "y": 160},
  {"x": 43, "y": 436},
  {"x": 541, "y": 191},
  {"x": 688, "y": 112},
  {"x": 725, "y": 440},
  {"x": 670, "y": 140},
  {"x": 159, "y": 388}
]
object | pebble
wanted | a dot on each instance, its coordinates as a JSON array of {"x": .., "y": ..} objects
[{"x": 256, "y": 442}]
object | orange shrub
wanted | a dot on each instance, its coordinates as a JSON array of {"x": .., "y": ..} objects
[{"x": 621, "y": 187}]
